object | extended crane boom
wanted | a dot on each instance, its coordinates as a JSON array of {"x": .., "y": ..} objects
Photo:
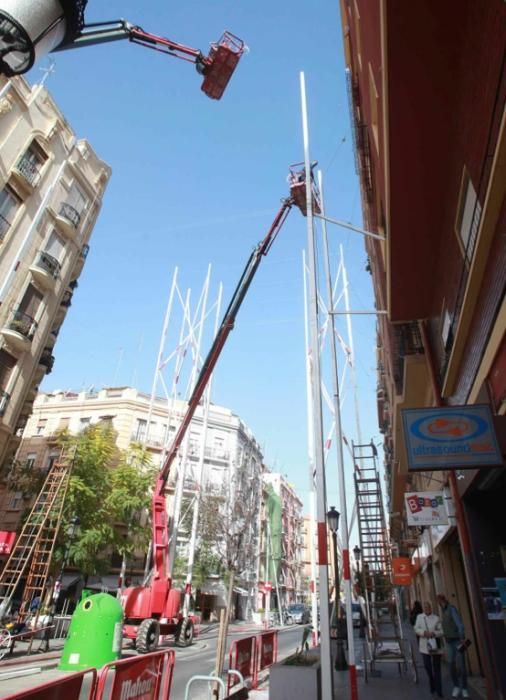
[
  {"x": 217, "y": 67},
  {"x": 226, "y": 326},
  {"x": 26, "y": 34},
  {"x": 154, "y": 609}
]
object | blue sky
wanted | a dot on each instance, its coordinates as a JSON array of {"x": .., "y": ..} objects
[{"x": 197, "y": 181}]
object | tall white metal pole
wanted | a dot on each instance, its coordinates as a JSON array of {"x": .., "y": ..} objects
[
  {"x": 351, "y": 346},
  {"x": 340, "y": 462},
  {"x": 199, "y": 479},
  {"x": 320, "y": 485},
  {"x": 353, "y": 371},
  {"x": 178, "y": 499},
  {"x": 161, "y": 349},
  {"x": 310, "y": 445}
]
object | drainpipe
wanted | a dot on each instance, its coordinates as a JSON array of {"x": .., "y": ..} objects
[{"x": 491, "y": 679}]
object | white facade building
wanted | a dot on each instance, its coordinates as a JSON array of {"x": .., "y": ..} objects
[{"x": 51, "y": 188}]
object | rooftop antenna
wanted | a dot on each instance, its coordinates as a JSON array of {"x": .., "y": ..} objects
[{"x": 48, "y": 70}]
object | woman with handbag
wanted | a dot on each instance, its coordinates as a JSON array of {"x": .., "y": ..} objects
[{"x": 429, "y": 631}]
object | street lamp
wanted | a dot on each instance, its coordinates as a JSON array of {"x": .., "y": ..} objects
[
  {"x": 356, "y": 553},
  {"x": 333, "y": 520}
]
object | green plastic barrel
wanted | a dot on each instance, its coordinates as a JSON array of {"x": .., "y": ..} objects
[{"x": 95, "y": 633}]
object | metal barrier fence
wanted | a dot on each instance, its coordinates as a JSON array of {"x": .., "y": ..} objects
[
  {"x": 68, "y": 688},
  {"x": 251, "y": 655},
  {"x": 148, "y": 676}
]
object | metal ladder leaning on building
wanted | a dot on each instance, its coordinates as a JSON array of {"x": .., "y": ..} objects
[
  {"x": 35, "y": 544},
  {"x": 385, "y": 639}
]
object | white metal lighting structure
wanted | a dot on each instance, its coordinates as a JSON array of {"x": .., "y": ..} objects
[
  {"x": 30, "y": 29},
  {"x": 327, "y": 679}
]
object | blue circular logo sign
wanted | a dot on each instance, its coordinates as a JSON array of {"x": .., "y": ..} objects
[{"x": 449, "y": 426}]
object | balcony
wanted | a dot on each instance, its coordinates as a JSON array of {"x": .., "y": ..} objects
[
  {"x": 68, "y": 219},
  {"x": 46, "y": 270},
  {"x": 66, "y": 299},
  {"x": 26, "y": 173},
  {"x": 407, "y": 341},
  {"x": 4, "y": 401},
  {"x": 4, "y": 227},
  {"x": 47, "y": 360},
  {"x": 20, "y": 330}
]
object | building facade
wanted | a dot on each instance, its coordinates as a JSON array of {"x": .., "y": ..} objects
[
  {"x": 427, "y": 87},
  {"x": 51, "y": 189},
  {"x": 280, "y": 562},
  {"x": 232, "y": 463}
]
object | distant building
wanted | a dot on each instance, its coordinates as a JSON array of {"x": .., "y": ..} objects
[
  {"x": 281, "y": 545},
  {"x": 232, "y": 456},
  {"x": 51, "y": 189}
]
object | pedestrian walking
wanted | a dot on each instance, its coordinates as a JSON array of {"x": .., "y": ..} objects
[
  {"x": 415, "y": 611},
  {"x": 455, "y": 638},
  {"x": 429, "y": 631}
]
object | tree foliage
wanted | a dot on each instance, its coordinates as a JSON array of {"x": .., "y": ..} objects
[{"x": 109, "y": 491}]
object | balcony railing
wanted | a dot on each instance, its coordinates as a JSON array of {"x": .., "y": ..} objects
[
  {"x": 70, "y": 213},
  {"x": 47, "y": 360},
  {"x": 23, "y": 324},
  {"x": 66, "y": 299},
  {"x": 4, "y": 401},
  {"x": 4, "y": 226},
  {"x": 407, "y": 341},
  {"x": 49, "y": 264},
  {"x": 29, "y": 169}
]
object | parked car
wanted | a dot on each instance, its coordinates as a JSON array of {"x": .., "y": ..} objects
[
  {"x": 299, "y": 613},
  {"x": 356, "y": 614}
]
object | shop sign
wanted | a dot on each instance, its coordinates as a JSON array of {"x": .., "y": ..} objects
[
  {"x": 401, "y": 571},
  {"x": 456, "y": 437},
  {"x": 426, "y": 508}
]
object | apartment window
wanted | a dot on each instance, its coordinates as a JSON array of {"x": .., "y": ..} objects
[
  {"x": 7, "y": 364},
  {"x": 8, "y": 205},
  {"x": 23, "y": 319},
  {"x": 31, "y": 162},
  {"x": 41, "y": 426},
  {"x": 74, "y": 205},
  {"x": 468, "y": 215},
  {"x": 140, "y": 430},
  {"x": 84, "y": 423},
  {"x": 64, "y": 423},
  {"x": 16, "y": 501},
  {"x": 30, "y": 460},
  {"x": 51, "y": 460},
  {"x": 53, "y": 253}
]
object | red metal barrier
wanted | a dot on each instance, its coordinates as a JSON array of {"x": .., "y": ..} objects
[
  {"x": 267, "y": 645},
  {"x": 243, "y": 658},
  {"x": 144, "y": 677},
  {"x": 67, "y": 688}
]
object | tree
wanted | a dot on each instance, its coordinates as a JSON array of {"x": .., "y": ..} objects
[
  {"x": 109, "y": 491},
  {"x": 224, "y": 525},
  {"x": 129, "y": 500},
  {"x": 87, "y": 496}
]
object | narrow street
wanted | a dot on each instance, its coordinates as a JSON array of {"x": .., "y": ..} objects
[{"x": 199, "y": 658}]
